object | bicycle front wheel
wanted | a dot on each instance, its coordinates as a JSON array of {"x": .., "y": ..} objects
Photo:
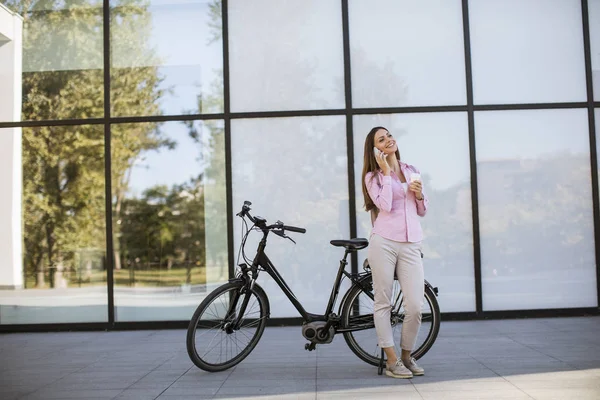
[
  {"x": 357, "y": 313},
  {"x": 214, "y": 341}
]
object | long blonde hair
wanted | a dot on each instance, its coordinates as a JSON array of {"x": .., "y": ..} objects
[{"x": 370, "y": 164}]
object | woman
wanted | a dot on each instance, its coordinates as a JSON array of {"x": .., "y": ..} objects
[{"x": 395, "y": 245}]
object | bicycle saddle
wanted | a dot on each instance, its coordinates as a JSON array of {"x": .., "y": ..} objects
[{"x": 351, "y": 244}]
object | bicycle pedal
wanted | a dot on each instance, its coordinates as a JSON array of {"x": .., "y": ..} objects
[{"x": 310, "y": 346}]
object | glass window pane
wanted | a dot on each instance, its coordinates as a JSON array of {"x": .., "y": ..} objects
[
  {"x": 535, "y": 209},
  {"x": 169, "y": 217},
  {"x": 52, "y": 244},
  {"x": 166, "y": 57},
  {"x": 286, "y": 55},
  {"x": 594, "y": 19},
  {"x": 527, "y": 51},
  {"x": 445, "y": 167},
  {"x": 389, "y": 65},
  {"x": 294, "y": 170},
  {"x": 55, "y": 60}
]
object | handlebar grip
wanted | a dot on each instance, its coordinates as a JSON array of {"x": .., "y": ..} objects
[{"x": 294, "y": 229}]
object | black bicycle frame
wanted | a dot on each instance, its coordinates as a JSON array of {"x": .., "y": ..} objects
[{"x": 265, "y": 263}]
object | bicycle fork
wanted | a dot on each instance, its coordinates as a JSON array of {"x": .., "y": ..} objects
[{"x": 233, "y": 318}]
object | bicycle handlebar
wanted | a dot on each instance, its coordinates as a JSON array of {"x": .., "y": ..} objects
[
  {"x": 293, "y": 229},
  {"x": 278, "y": 225}
]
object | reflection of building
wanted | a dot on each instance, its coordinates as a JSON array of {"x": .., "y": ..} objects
[{"x": 11, "y": 35}]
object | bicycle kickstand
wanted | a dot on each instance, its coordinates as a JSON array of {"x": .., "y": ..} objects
[{"x": 381, "y": 363}]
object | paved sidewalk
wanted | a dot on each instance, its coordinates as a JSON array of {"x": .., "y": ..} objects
[{"x": 504, "y": 359}]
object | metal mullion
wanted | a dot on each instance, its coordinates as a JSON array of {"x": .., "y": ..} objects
[
  {"x": 592, "y": 135},
  {"x": 227, "y": 133},
  {"x": 473, "y": 161},
  {"x": 349, "y": 132},
  {"x": 107, "y": 168}
]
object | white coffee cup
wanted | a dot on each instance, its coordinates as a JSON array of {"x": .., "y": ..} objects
[{"x": 415, "y": 176}]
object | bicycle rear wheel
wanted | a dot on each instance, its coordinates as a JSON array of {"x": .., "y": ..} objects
[
  {"x": 213, "y": 342},
  {"x": 357, "y": 313}
]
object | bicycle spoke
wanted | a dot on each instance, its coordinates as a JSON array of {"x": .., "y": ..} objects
[
  {"x": 255, "y": 322},
  {"x": 209, "y": 350}
]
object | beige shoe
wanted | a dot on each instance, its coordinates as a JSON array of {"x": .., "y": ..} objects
[
  {"x": 414, "y": 367},
  {"x": 398, "y": 370}
]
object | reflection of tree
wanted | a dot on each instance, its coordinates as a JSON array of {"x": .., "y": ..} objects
[
  {"x": 214, "y": 212},
  {"x": 384, "y": 87},
  {"x": 63, "y": 166},
  {"x": 128, "y": 143},
  {"x": 164, "y": 227},
  {"x": 63, "y": 197}
]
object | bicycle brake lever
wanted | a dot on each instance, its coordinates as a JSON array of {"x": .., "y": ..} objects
[
  {"x": 287, "y": 237},
  {"x": 283, "y": 235}
]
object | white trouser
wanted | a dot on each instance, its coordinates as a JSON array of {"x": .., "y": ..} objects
[{"x": 385, "y": 258}]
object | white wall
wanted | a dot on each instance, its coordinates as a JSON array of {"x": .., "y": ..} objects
[{"x": 11, "y": 264}]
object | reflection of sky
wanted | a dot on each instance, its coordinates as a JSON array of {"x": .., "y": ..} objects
[
  {"x": 168, "y": 167},
  {"x": 180, "y": 34}
]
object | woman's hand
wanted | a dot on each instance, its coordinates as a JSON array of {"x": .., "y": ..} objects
[
  {"x": 381, "y": 159},
  {"x": 417, "y": 189}
]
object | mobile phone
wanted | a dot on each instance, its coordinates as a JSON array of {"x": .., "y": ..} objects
[{"x": 376, "y": 151}]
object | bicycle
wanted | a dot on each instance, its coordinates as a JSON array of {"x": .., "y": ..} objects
[{"x": 236, "y": 312}]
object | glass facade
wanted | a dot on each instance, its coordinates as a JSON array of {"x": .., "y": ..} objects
[{"x": 131, "y": 135}]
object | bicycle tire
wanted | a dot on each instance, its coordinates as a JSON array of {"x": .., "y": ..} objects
[
  {"x": 374, "y": 357},
  {"x": 219, "y": 327}
]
